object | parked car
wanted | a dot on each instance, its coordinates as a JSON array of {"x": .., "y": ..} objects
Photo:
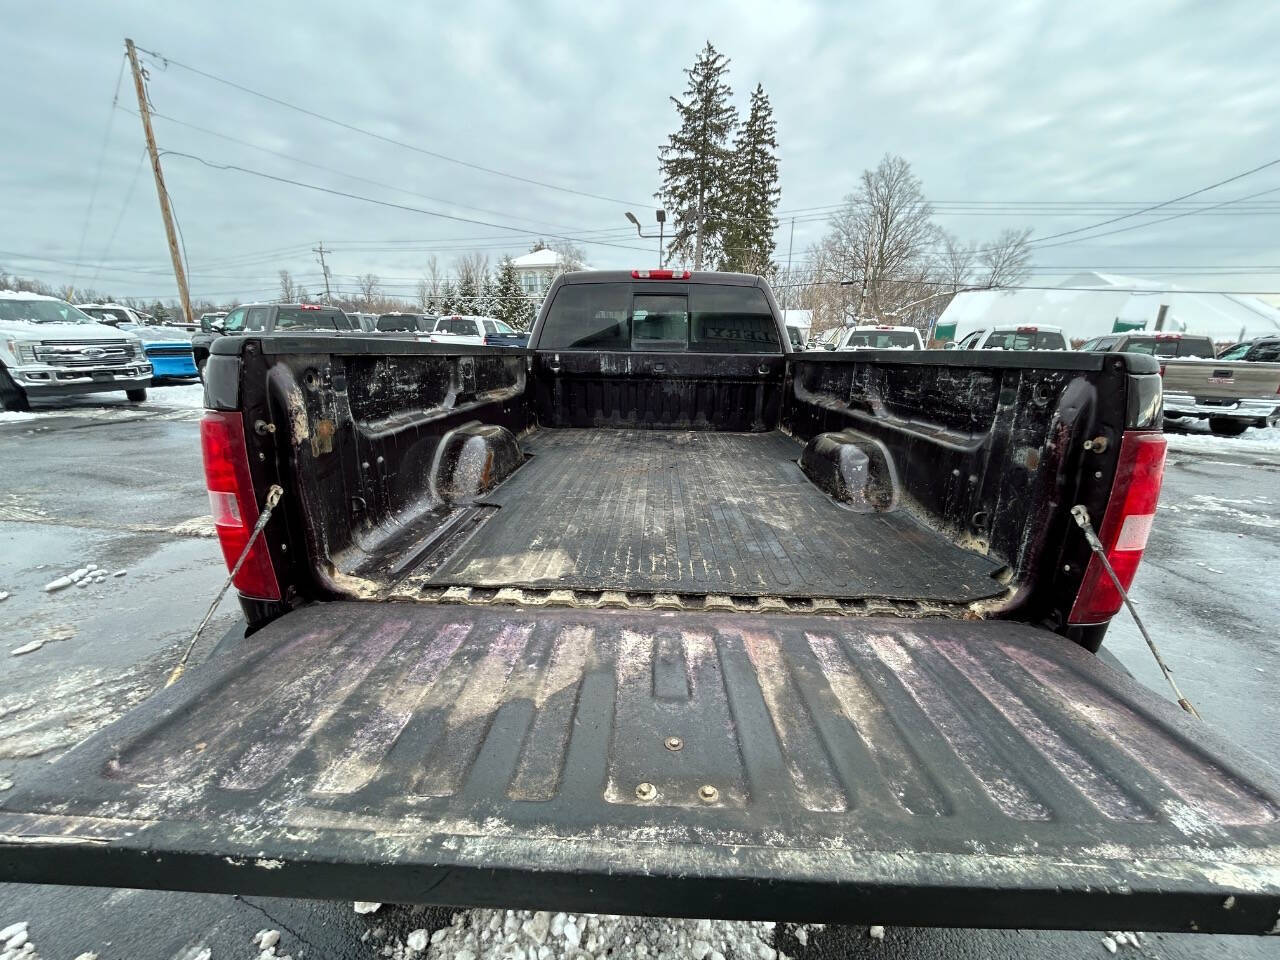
[
  {"x": 48, "y": 348},
  {"x": 660, "y": 617},
  {"x": 870, "y": 336},
  {"x": 1166, "y": 344},
  {"x": 1013, "y": 337},
  {"x": 266, "y": 318},
  {"x": 1259, "y": 350},
  {"x": 168, "y": 348},
  {"x": 1232, "y": 393},
  {"x": 368, "y": 322},
  {"x": 477, "y": 331},
  {"x": 423, "y": 323}
]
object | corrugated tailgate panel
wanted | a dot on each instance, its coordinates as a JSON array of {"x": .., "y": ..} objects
[{"x": 928, "y": 771}]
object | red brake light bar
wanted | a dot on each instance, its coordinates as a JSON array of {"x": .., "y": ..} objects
[
  {"x": 1028, "y": 330},
  {"x": 661, "y": 274},
  {"x": 311, "y": 306},
  {"x": 1168, "y": 336},
  {"x": 1130, "y": 512},
  {"x": 233, "y": 503}
]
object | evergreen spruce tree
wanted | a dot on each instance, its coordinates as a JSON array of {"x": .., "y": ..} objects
[
  {"x": 466, "y": 294},
  {"x": 748, "y": 245},
  {"x": 488, "y": 303},
  {"x": 448, "y": 299},
  {"x": 510, "y": 304},
  {"x": 696, "y": 163}
]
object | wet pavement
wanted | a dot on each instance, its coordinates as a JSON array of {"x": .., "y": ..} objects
[{"x": 121, "y": 487}]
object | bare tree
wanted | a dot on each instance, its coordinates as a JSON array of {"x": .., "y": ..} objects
[
  {"x": 433, "y": 279},
  {"x": 288, "y": 290},
  {"x": 570, "y": 257},
  {"x": 368, "y": 288},
  {"x": 955, "y": 265},
  {"x": 881, "y": 238},
  {"x": 1007, "y": 260},
  {"x": 472, "y": 270}
]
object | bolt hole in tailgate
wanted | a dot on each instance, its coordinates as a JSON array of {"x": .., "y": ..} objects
[{"x": 861, "y": 770}]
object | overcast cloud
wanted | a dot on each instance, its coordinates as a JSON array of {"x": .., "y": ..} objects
[{"x": 1033, "y": 101}]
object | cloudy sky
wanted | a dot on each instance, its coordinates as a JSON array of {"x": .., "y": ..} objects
[{"x": 1039, "y": 114}]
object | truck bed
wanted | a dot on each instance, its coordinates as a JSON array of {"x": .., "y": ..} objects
[
  {"x": 699, "y": 512},
  {"x": 827, "y": 768}
]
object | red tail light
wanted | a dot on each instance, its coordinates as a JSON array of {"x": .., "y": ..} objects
[
  {"x": 1130, "y": 512},
  {"x": 232, "y": 502},
  {"x": 661, "y": 274},
  {"x": 1162, "y": 366}
]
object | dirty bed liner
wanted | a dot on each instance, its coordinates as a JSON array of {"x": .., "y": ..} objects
[
  {"x": 822, "y": 768},
  {"x": 699, "y": 512}
]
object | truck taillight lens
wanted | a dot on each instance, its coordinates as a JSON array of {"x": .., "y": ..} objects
[
  {"x": 1125, "y": 527},
  {"x": 233, "y": 505}
]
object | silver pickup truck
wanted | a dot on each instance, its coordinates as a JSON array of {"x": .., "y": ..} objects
[
  {"x": 48, "y": 348},
  {"x": 1235, "y": 391}
]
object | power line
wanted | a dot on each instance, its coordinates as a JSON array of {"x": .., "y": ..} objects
[
  {"x": 343, "y": 173},
  {"x": 124, "y": 207},
  {"x": 97, "y": 175},
  {"x": 1151, "y": 223},
  {"x": 1157, "y": 206},
  {"x": 385, "y": 139},
  {"x": 386, "y": 203}
]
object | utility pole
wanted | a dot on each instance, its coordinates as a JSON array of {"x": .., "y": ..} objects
[
  {"x": 324, "y": 267},
  {"x": 144, "y": 111}
]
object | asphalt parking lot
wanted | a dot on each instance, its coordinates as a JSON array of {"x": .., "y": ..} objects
[{"x": 120, "y": 486}]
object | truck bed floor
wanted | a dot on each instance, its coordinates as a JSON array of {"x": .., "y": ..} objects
[{"x": 700, "y": 512}]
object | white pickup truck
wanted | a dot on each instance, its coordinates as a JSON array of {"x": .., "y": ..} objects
[
  {"x": 476, "y": 332},
  {"x": 876, "y": 336},
  {"x": 48, "y": 348}
]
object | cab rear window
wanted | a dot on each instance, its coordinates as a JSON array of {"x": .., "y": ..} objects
[
  {"x": 295, "y": 318},
  {"x": 1026, "y": 340},
  {"x": 1171, "y": 347},
  {"x": 696, "y": 317}
]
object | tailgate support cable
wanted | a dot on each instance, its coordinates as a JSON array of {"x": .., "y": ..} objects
[
  {"x": 273, "y": 497},
  {"x": 1081, "y": 516}
]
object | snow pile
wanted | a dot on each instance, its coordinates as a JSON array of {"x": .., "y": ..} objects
[
  {"x": 265, "y": 941},
  {"x": 15, "y": 944},
  {"x": 13, "y": 416},
  {"x": 524, "y": 935},
  {"x": 1120, "y": 938},
  {"x": 1198, "y": 440}
]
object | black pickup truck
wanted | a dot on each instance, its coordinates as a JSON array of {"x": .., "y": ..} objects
[
  {"x": 659, "y": 616},
  {"x": 260, "y": 318}
]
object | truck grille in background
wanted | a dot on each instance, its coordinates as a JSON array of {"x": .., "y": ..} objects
[
  {"x": 178, "y": 351},
  {"x": 86, "y": 353}
]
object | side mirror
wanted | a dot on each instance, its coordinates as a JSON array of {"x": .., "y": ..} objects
[
  {"x": 205, "y": 325},
  {"x": 949, "y": 345},
  {"x": 828, "y": 346}
]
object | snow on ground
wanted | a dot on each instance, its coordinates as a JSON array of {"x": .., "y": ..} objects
[
  {"x": 112, "y": 406},
  {"x": 525, "y": 935},
  {"x": 1194, "y": 437}
]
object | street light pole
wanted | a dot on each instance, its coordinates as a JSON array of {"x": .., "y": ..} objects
[{"x": 661, "y": 216}]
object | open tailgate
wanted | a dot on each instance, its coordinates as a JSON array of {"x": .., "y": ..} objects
[{"x": 825, "y": 768}]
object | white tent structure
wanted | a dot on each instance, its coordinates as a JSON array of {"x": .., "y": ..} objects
[{"x": 1091, "y": 304}]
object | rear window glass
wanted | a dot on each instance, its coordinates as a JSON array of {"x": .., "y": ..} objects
[
  {"x": 1171, "y": 347},
  {"x": 1265, "y": 353},
  {"x": 295, "y": 318},
  {"x": 1023, "y": 340},
  {"x": 659, "y": 322},
  {"x": 704, "y": 318},
  {"x": 884, "y": 339},
  {"x": 391, "y": 323},
  {"x": 730, "y": 319},
  {"x": 589, "y": 316}
]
